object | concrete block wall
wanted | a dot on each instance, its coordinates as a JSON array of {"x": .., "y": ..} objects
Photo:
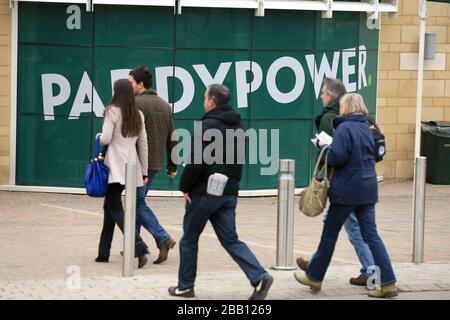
[
  {"x": 5, "y": 88},
  {"x": 396, "y": 88},
  {"x": 397, "y": 85}
]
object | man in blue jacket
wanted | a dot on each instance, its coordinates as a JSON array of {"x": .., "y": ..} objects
[{"x": 219, "y": 210}]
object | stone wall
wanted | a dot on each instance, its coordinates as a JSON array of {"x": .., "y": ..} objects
[
  {"x": 396, "y": 88},
  {"x": 5, "y": 88},
  {"x": 397, "y": 85}
]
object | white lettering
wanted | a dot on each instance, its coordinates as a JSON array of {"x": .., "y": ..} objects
[
  {"x": 183, "y": 146},
  {"x": 118, "y": 74},
  {"x": 162, "y": 76},
  {"x": 325, "y": 71},
  {"x": 249, "y": 77},
  {"x": 74, "y": 20},
  {"x": 213, "y": 152},
  {"x": 348, "y": 70},
  {"x": 362, "y": 80},
  {"x": 294, "y": 65},
  {"x": 79, "y": 106},
  {"x": 74, "y": 280},
  {"x": 49, "y": 100},
  {"x": 243, "y": 88},
  {"x": 206, "y": 77},
  {"x": 273, "y": 159}
]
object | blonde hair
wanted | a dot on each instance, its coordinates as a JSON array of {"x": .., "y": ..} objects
[{"x": 352, "y": 103}]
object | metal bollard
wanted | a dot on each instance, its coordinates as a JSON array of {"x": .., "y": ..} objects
[
  {"x": 419, "y": 209},
  {"x": 285, "y": 231},
  {"x": 129, "y": 220}
]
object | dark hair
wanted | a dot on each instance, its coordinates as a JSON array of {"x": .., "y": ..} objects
[
  {"x": 124, "y": 99},
  {"x": 335, "y": 88},
  {"x": 219, "y": 94},
  {"x": 142, "y": 74}
]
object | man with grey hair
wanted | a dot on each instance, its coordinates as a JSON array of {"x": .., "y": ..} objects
[{"x": 332, "y": 91}]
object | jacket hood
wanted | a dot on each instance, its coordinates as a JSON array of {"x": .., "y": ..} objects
[
  {"x": 225, "y": 114},
  {"x": 358, "y": 117}
]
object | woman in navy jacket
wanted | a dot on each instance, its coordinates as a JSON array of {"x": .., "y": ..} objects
[{"x": 353, "y": 188}]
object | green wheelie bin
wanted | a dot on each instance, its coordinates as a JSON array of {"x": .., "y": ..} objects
[{"x": 435, "y": 145}]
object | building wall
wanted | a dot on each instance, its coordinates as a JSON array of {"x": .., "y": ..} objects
[
  {"x": 397, "y": 87},
  {"x": 54, "y": 138},
  {"x": 5, "y": 88},
  {"x": 397, "y": 83}
]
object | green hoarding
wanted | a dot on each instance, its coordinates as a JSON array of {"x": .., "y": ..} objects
[{"x": 274, "y": 66}]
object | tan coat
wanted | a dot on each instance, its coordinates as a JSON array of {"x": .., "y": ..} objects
[{"x": 122, "y": 150}]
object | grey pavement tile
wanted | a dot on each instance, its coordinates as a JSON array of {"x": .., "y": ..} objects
[{"x": 44, "y": 230}]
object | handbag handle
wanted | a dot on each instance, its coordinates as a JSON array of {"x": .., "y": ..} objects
[
  {"x": 97, "y": 148},
  {"x": 324, "y": 168}
]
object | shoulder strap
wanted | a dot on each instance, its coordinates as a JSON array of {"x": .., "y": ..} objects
[{"x": 322, "y": 152}]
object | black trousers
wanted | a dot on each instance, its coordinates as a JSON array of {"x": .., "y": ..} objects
[{"x": 113, "y": 214}]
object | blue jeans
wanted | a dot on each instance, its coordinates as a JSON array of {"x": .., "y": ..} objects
[
  {"x": 337, "y": 215},
  {"x": 365, "y": 257},
  {"x": 221, "y": 212},
  {"x": 145, "y": 216},
  {"x": 363, "y": 252}
]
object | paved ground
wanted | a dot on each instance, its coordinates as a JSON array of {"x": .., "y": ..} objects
[{"x": 48, "y": 243}]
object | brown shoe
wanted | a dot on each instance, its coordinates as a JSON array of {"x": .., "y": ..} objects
[
  {"x": 360, "y": 280},
  {"x": 302, "y": 263},
  {"x": 164, "y": 250}
]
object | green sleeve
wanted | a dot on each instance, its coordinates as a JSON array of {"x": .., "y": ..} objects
[{"x": 326, "y": 124}]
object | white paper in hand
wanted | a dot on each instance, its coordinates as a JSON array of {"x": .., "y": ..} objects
[{"x": 325, "y": 138}]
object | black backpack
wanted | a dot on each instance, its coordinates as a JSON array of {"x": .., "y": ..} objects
[{"x": 378, "y": 137}]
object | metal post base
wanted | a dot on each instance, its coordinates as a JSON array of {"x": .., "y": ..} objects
[{"x": 283, "y": 268}]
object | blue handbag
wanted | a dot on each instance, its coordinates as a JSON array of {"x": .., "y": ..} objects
[{"x": 96, "y": 178}]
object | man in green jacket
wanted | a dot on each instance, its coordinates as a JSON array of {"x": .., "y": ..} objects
[
  {"x": 159, "y": 126},
  {"x": 332, "y": 91}
]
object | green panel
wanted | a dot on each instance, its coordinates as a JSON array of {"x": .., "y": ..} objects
[
  {"x": 109, "y": 60},
  {"x": 142, "y": 26},
  {"x": 369, "y": 31},
  {"x": 52, "y": 153},
  {"x": 295, "y": 26},
  {"x": 209, "y": 62},
  {"x": 341, "y": 32},
  {"x": 48, "y": 23},
  {"x": 368, "y": 80},
  {"x": 214, "y": 28},
  {"x": 162, "y": 182},
  {"x": 294, "y": 144},
  {"x": 286, "y": 98},
  {"x": 39, "y": 62}
]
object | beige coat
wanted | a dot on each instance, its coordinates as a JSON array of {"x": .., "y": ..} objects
[{"x": 122, "y": 150}]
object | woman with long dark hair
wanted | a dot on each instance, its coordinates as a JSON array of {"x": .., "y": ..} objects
[{"x": 124, "y": 133}]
